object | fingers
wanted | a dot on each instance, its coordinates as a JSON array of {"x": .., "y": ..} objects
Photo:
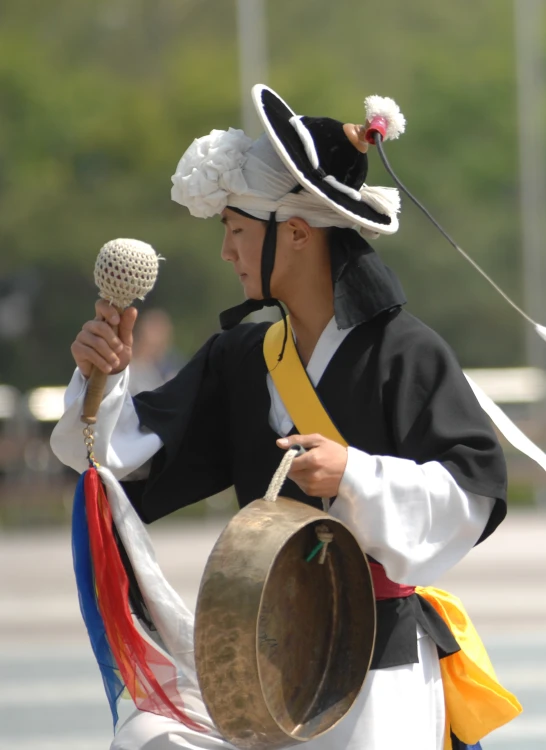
[
  {"x": 105, "y": 342},
  {"x": 124, "y": 321},
  {"x": 308, "y": 473},
  {"x": 97, "y": 348},
  {"x": 86, "y": 357},
  {"x": 308, "y": 460},
  {"x": 98, "y": 345},
  {"x": 105, "y": 311},
  {"x": 100, "y": 332},
  {"x": 302, "y": 465},
  {"x": 307, "y": 441},
  {"x": 126, "y": 325},
  {"x": 319, "y": 470}
]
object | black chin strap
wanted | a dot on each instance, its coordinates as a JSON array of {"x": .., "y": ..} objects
[
  {"x": 363, "y": 286},
  {"x": 269, "y": 250},
  {"x": 230, "y": 318},
  {"x": 234, "y": 315}
]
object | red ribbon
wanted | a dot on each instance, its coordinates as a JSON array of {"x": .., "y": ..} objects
[{"x": 133, "y": 654}]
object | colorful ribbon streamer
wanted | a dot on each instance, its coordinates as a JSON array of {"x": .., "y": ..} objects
[{"x": 125, "y": 657}]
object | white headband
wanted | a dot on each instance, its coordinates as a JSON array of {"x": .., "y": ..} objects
[{"x": 227, "y": 168}]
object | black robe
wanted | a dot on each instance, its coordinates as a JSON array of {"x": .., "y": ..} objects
[{"x": 392, "y": 388}]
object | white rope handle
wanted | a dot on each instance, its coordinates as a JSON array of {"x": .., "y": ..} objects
[
  {"x": 282, "y": 472},
  {"x": 324, "y": 535}
]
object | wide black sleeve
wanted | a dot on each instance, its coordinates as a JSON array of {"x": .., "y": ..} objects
[
  {"x": 436, "y": 417},
  {"x": 190, "y": 415}
]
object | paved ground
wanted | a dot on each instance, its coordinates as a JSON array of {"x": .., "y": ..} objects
[{"x": 51, "y": 695}]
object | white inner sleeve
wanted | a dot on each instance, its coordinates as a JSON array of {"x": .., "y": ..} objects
[
  {"x": 414, "y": 519},
  {"x": 121, "y": 443}
]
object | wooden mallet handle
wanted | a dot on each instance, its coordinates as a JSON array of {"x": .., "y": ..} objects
[{"x": 95, "y": 389}]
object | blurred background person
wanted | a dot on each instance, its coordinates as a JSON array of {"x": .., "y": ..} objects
[{"x": 155, "y": 359}]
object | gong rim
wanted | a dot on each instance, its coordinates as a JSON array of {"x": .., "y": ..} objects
[{"x": 244, "y": 658}]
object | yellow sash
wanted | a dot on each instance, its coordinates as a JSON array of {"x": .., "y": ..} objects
[{"x": 476, "y": 703}]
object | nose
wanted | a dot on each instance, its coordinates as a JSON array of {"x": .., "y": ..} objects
[{"x": 228, "y": 252}]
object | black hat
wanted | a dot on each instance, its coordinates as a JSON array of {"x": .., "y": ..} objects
[{"x": 324, "y": 160}]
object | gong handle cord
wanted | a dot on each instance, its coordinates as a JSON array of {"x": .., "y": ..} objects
[
  {"x": 379, "y": 144},
  {"x": 324, "y": 535},
  {"x": 282, "y": 472}
]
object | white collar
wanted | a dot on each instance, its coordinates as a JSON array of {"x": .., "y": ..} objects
[{"x": 327, "y": 345}]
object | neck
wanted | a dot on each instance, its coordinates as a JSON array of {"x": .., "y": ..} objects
[{"x": 311, "y": 309}]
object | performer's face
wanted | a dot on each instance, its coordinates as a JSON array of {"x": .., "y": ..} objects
[
  {"x": 242, "y": 246},
  {"x": 300, "y": 250}
]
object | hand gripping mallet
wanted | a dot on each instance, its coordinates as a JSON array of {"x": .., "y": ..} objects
[{"x": 125, "y": 270}]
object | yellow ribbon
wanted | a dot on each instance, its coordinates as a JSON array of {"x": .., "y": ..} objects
[
  {"x": 476, "y": 703},
  {"x": 296, "y": 390}
]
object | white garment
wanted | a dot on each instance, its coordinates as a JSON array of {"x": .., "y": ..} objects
[
  {"x": 399, "y": 707},
  {"x": 147, "y": 731},
  {"x": 414, "y": 519}
]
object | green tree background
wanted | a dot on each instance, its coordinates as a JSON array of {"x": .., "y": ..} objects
[{"x": 100, "y": 98}]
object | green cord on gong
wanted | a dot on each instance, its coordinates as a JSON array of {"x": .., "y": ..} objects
[{"x": 314, "y": 552}]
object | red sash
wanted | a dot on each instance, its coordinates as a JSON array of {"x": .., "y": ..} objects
[{"x": 383, "y": 587}]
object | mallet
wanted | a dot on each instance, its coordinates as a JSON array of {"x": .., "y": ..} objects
[{"x": 125, "y": 270}]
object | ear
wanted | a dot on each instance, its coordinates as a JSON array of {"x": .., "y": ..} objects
[{"x": 299, "y": 231}]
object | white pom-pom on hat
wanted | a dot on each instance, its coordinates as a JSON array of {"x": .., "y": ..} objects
[{"x": 388, "y": 110}]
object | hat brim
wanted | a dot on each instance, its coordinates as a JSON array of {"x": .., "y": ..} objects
[{"x": 275, "y": 116}]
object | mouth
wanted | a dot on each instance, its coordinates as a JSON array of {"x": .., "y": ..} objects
[{"x": 243, "y": 277}]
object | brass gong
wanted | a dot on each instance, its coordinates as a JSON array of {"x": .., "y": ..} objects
[{"x": 282, "y": 644}]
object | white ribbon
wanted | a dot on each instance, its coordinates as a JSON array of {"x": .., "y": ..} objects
[
  {"x": 171, "y": 617},
  {"x": 512, "y": 433},
  {"x": 541, "y": 330}
]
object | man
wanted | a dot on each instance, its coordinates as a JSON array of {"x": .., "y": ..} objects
[{"x": 423, "y": 479}]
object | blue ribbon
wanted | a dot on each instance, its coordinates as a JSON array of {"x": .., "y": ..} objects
[{"x": 83, "y": 568}]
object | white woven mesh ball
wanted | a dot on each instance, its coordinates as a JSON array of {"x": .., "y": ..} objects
[{"x": 125, "y": 270}]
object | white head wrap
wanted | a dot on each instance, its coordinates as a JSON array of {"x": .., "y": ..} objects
[{"x": 226, "y": 168}]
